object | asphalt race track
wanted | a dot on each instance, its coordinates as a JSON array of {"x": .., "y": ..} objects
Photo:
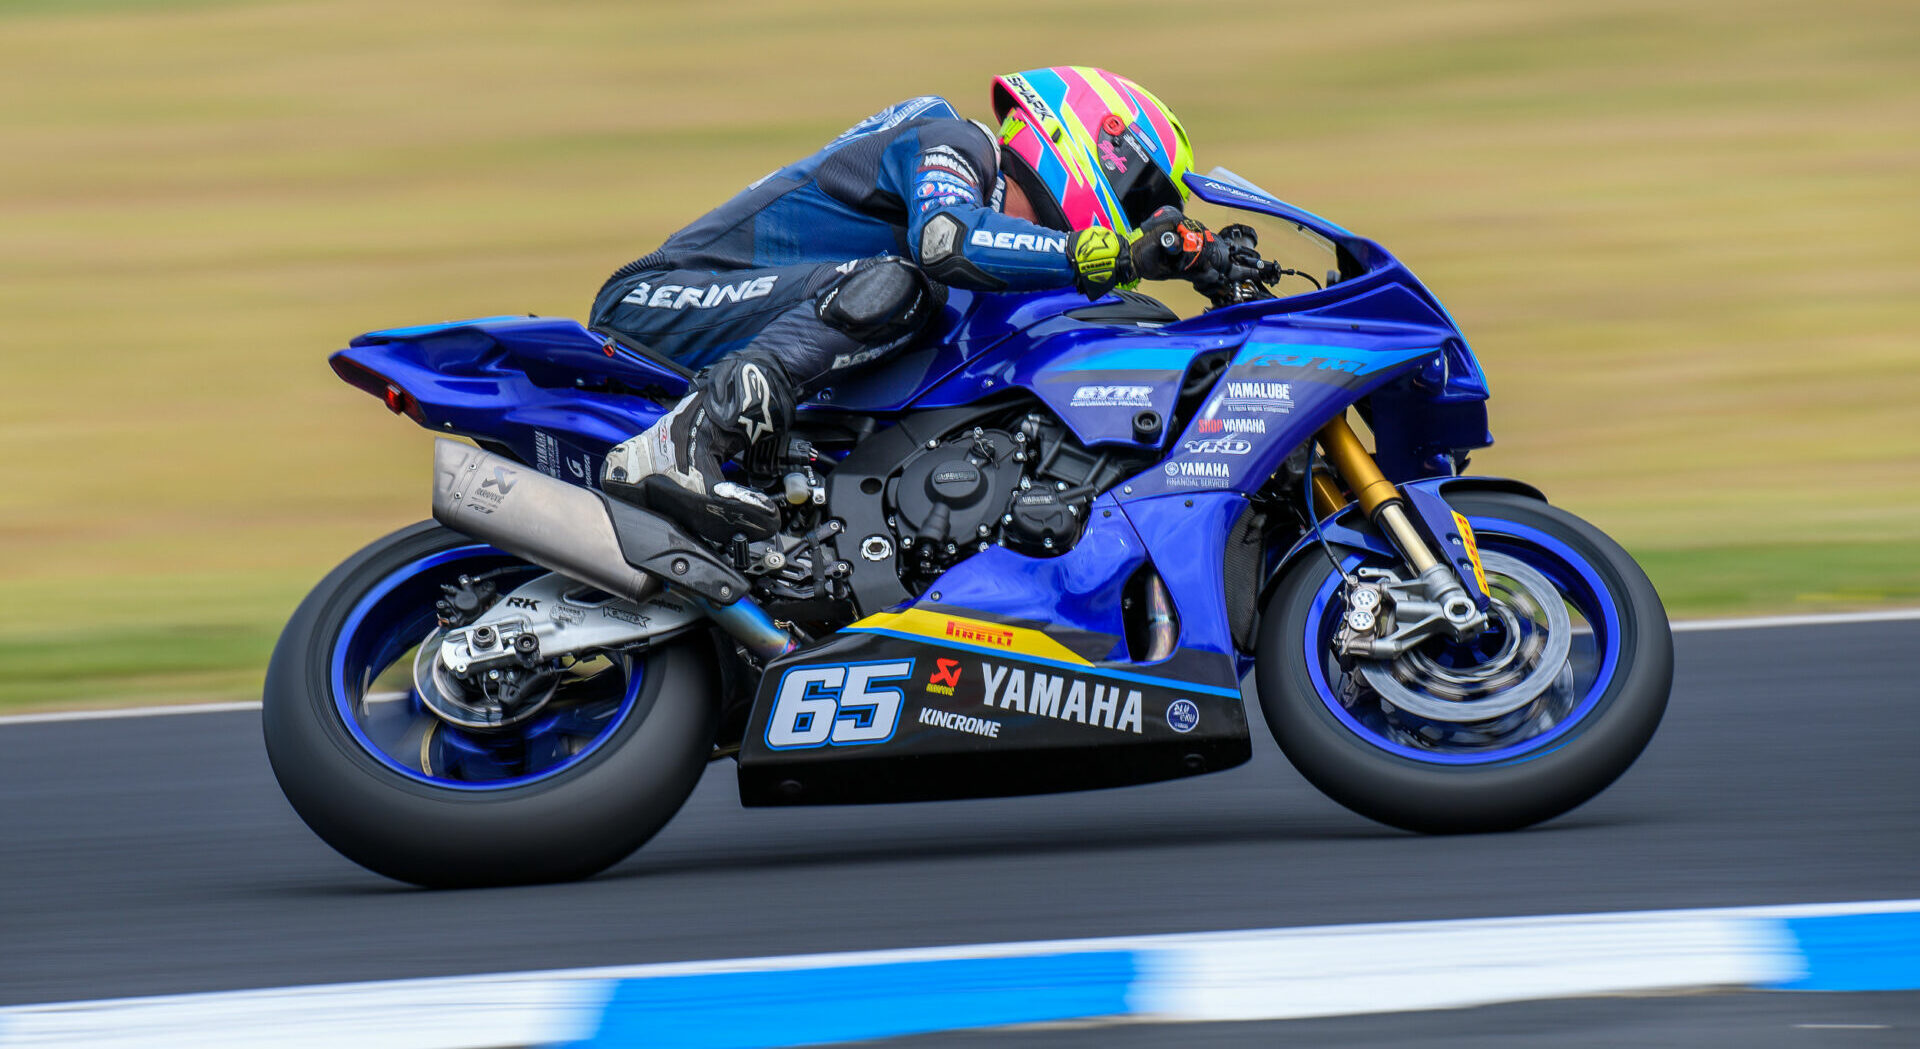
[{"x": 155, "y": 855}]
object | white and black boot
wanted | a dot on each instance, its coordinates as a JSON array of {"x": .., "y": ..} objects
[{"x": 674, "y": 465}]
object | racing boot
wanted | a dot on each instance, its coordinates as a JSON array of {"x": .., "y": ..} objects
[{"x": 673, "y": 466}]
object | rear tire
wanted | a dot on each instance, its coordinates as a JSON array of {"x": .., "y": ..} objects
[
  {"x": 583, "y": 816},
  {"x": 1499, "y": 787}
]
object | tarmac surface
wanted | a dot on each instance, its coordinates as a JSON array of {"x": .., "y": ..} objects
[{"x": 155, "y": 855}]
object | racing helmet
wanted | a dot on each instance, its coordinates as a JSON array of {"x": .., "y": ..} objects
[{"x": 1088, "y": 147}]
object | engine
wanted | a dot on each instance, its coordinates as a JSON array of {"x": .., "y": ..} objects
[
  {"x": 1026, "y": 486},
  {"x": 876, "y": 514}
]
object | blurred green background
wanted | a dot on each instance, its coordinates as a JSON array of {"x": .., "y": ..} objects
[{"x": 1682, "y": 237}]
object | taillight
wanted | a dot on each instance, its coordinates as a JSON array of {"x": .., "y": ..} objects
[{"x": 397, "y": 400}]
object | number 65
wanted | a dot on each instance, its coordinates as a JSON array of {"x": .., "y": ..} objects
[{"x": 836, "y": 705}]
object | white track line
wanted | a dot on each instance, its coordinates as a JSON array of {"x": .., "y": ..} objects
[
  {"x": 126, "y": 712},
  {"x": 1685, "y": 626},
  {"x": 1251, "y": 974},
  {"x": 1891, "y": 615}
]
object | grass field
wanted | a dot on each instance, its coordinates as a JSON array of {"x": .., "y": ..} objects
[{"x": 1683, "y": 237}]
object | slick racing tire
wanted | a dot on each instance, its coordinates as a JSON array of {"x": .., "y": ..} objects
[
  {"x": 375, "y": 774},
  {"x": 1360, "y": 740}
]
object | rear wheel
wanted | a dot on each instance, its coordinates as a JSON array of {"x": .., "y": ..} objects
[
  {"x": 604, "y": 763},
  {"x": 1549, "y": 706}
]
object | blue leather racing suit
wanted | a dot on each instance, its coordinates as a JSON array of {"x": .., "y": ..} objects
[{"x": 909, "y": 196}]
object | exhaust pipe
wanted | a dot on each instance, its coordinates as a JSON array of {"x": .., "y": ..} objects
[
  {"x": 570, "y": 530},
  {"x": 555, "y": 525}
]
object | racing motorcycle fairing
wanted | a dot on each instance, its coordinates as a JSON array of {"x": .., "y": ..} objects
[
  {"x": 952, "y": 723},
  {"x": 918, "y": 697},
  {"x": 939, "y": 702}
]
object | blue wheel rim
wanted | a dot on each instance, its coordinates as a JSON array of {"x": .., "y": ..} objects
[
  {"x": 1571, "y": 575},
  {"x": 389, "y": 621}
]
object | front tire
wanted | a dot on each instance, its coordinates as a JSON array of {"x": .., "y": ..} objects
[
  {"x": 396, "y": 791},
  {"x": 1443, "y": 778}
]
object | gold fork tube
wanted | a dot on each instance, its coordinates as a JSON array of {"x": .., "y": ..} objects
[
  {"x": 1327, "y": 496},
  {"x": 1351, "y": 461},
  {"x": 1378, "y": 497}
]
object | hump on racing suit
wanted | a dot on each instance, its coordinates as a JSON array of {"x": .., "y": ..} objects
[{"x": 913, "y": 180}]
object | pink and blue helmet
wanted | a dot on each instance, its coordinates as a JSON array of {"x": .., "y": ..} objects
[{"x": 1088, "y": 147}]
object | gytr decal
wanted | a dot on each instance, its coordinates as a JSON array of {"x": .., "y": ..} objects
[
  {"x": 1220, "y": 446},
  {"x": 1017, "y": 241},
  {"x": 1112, "y": 397},
  {"x": 839, "y": 705},
  {"x": 1063, "y": 697},
  {"x": 676, "y": 297}
]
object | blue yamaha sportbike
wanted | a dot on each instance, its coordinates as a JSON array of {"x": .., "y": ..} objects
[{"x": 1041, "y": 552}]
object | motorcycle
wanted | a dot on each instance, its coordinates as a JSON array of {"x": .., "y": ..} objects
[{"x": 1039, "y": 552}]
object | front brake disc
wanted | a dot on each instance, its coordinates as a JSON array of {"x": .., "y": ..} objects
[{"x": 1538, "y": 639}]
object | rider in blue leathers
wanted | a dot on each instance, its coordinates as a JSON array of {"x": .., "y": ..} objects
[{"x": 841, "y": 258}]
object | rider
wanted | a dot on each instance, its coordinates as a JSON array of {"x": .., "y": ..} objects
[{"x": 836, "y": 260}]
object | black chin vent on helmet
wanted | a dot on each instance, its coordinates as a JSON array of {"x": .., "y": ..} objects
[{"x": 1045, "y": 209}]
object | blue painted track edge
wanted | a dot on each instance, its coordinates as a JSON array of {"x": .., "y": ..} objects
[{"x": 1239, "y": 975}]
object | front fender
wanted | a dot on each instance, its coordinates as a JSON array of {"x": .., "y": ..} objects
[{"x": 1348, "y": 527}]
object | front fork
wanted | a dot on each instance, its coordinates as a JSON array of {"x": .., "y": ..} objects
[{"x": 1438, "y": 601}]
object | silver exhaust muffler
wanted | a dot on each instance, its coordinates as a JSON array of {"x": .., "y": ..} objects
[
  {"x": 528, "y": 514},
  {"x": 570, "y": 530}
]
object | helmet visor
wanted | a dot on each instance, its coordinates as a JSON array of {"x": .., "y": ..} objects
[{"x": 1139, "y": 183}]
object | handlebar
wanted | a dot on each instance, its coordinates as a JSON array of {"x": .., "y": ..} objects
[{"x": 1240, "y": 274}]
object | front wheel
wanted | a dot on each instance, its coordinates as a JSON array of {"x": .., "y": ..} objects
[
  {"x": 1549, "y": 706},
  {"x": 601, "y": 767}
]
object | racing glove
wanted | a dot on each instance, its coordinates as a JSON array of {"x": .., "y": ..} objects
[
  {"x": 1102, "y": 260},
  {"x": 1171, "y": 245},
  {"x": 1167, "y": 245}
]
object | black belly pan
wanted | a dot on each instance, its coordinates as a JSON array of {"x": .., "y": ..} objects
[{"x": 922, "y": 705}]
